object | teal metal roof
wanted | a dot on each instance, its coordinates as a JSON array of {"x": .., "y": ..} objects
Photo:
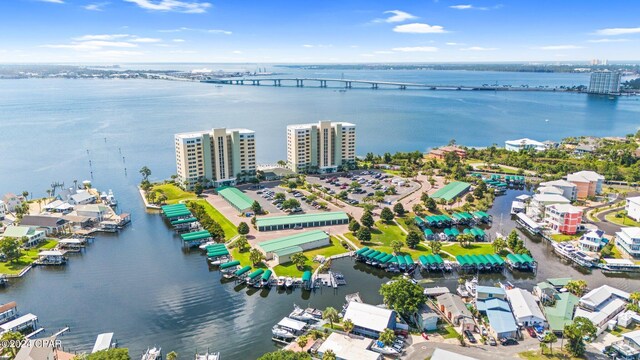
[
  {"x": 306, "y": 276},
  {"x": 229, "y": 264},
  {"x": 236, "y": 197},
  {"x": 243, "y": 270},
  {"x": 293, "y": 240},
  {"x": 288, "y": 251},
  {"x": 299, "y": 219},
  {"x": 451, "y": 190},
  {"x": 266, "y": 275}
]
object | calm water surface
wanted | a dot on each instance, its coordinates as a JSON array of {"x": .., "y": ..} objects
[{"x": 142, "y": 286}]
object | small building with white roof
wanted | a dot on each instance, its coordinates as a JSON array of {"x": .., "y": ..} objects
[
  {"x": 569, "y": 190},
  {"x": 369, "y": 320},
  {"x": 525, "y": 308},
  {"x": 628, "y": 241},
  {"x": 524, "y": 144},
  {"x": 31, "y": 233},
  {"x": 347, "y": 347},
  {"x": 601, "y": 305}
]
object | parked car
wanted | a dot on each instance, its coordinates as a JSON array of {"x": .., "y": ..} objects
[
  {"x": 508, "y": 342},
  {"x": 492, "y": 341},
  {"x": 470, "y": 337},
  {"x": 532, "y": 332},
  {"x": 483, "y": 331},
  {"x": 425, "y": 336}
]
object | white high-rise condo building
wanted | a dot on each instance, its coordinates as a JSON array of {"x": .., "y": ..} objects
[
  {"x": 216, "y": 157},
  {"x": 604, "y": 82},
  {"x": 321, "y": 148}
]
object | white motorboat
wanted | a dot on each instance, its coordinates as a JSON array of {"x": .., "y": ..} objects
[
  {"x": 300, "y": 314},
  {"x": 281, "y": 281},
  {"x": 208, "y": 243},
  {"x": 152, "y": 354},
  {"x": 208, "y": 356},
  {"x": 288, "y": 282},
  {"x": 281, "y": 333},
  {"x": 462, "y": 291},
  {"x": 470, "y": 286}
]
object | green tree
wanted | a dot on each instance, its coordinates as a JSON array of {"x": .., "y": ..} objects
[
  {"x": 255, "y": 256},
  {"x": 512, "y": 239},
  {"x": 469, "y": 198},
  {"x": 387, "y": 337},
  {"x": 256, "y": 207},
  {"x": 285, "y": 355},
  {"x": 302, "y": 341},
  {"x": 576, "y": 287},
  {"x": 430, "y": 204},
  {"x": 198, "y": 189},
  {"x": 413, "y": 239},
  {"x": 299, "y": 260},
  {"x": 172, "y": 356},
  {"x": 575, "y": 334},
  {"x": 330, "y": 314},
  {"x": 398, "y": 209},
  {"x": 364, "y": 234},
  {"x": 435, "y": 246},
  {"x": 460, "y": 338},
  {"x": 498, "y": 245},
  {"x": 403, "y": 296},
  {"x": 396, "y": 245},
  {"x": 280, "y": 196},
  {"x": 424, "y": 197},
  {"x": 242, "y": 243},
  {"x": 110, "y": 354},
  {"x": 290, "y": 204},
  {"x": 354, "y": 225},
  {"x": 10, "y": 247},
  {"x": 347, "y": 325},
  {"x": 550, "y": 338},
  {"x": 367, "y": 219},
  {"x": 543, "y": 346},
  {"x": 417, "y": 209},
  {"x": 243, "y": 228},
  {"x": 386, "y": 214},
  {"x": 634, "y": 301},
  {"x": 329, "y": 355},
  {"x": 145, "y": 172},
  {"x": 15, "y": 336}
]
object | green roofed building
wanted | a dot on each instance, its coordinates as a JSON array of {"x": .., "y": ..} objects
[
  {"x": 302, "y": 221},
  {"x": 452, "y": 190},
  {"x": 282, "y": 248},
  {"x": 239, "y": 200}
]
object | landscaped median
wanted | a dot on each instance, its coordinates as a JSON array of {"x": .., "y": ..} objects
[
  {"x": 230, "y": 230},
  {"x": 27, "y": 258},
  {"x": 623, "y": 220}
]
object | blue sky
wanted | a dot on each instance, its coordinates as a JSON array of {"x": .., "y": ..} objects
[{"x": 268, "y": 31}]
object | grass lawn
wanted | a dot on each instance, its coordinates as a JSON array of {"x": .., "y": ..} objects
[
  {"x": 243, "y": 257},
  {"x": 230, "y": 230},
  {"x": 446, "y": 331},
  {"x": 384, "y": 233},
  {"x": 472, "y": 249},
  {"x": 621, "y": 330},
  {"x": 421, "y": 249},
  {"x": 174, "y": 193},
  {"x": 26, "y": 259},
  {"x": 564, "y": 237},
  {"x": 557, "y": 354},
  {"x": 288, "y": 269},
  {"x": 624, "y": 221}
]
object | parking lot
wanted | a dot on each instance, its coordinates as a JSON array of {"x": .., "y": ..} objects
[
  {"x": 266, "y": 197},
  {"x": 370, "y": 183}
]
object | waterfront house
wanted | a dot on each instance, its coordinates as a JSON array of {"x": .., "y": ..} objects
[
  {"x": 492, "y": 304},
  {"x": 593, "y": 241},
  {"x": 524, "y": 144},
  {"x": 563, "y": 218},
  {"x": 559, "y": 311},
  {"x": 545, "y": 291},
  {"x": 588, "y": 183},
  {"x": 489, "y": 292},
  {"x": 441, "y": 152},
  {"x": 569, "y": 190},
  {"x": 629, "y": 347},
  {"x": 628, "y": 241},
  {"x": 348, "y": 347},
  {"x": 525, "y": 308},
  {"x": 48, "y": 224},
  {"x": 12, "y": 201},
  {"x": 96, "y": 212},
  {"x": 502, "y": 324},
  {"x": 3, "y": 209},
  {"x": 427, "y": 319},
  {"x": 31, "y": 233},
  {"x": 58, "y": 206},
  {"x": 601, "y": 305},
  {"x": 82, "y": 198},
  {"x": 440, "y": 354},
  {"x": 632, "y": 207},
  {"x": 369, "y": 320},
  {"x": 281, "y": 249},
  {"x": 8, "y": 312},
  {"x": 540, "y": 201},
  {"x": 452, "y": 306}
]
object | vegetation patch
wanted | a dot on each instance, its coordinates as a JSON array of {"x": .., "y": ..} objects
[
  {"x": 471, "y": 249},
  {"x": 230, "y": 230},
  {"x": 289, "y": 269},
  {"x": 173, "y": 193},
  {"x": 27, "y": 258}
]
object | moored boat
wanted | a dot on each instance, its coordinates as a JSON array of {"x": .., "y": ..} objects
[
  {"x": 281, "y": 333},
  {"x": 208, "y": 356},
  {"x": 152, "y": 354},
  {"x": 288, "y": 282},
  {"x": 281, "y": 281}
]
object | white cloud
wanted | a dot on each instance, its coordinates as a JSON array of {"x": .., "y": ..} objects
[
  {"x": 472, "y": 7},
  {"x": 190, "y": 7},
  {"x": 454, "y": 44},
  {"x": 478, "y": 48},
  {"x": 96, "y": 6},
  {"x": 419, "y": 28},
  {"x": 236, "y": 52},
  {"x": 101, "y": 37},
  {"x": 209, "y": 31},
  {"x": 618, "y": 31},
  {"x": 461, "y": 7},
  {"x": 354, "y": 46},
  {"x": 307, "y": 45},
  {"x": 398, "y": 16},
  {"x": 53, "y": 1},
  {"x": 146, "y": 40},
  {"x": 559, "y": 47},
  {"x": 416, "y": 49},
  {"x": 116, "y": 53},
  {"x": 607, "y": 40},
  {"x": 178, "y": 40}
]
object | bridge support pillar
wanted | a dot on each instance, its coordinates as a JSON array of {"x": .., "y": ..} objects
[
  {"x": 403, "y": 87},
  {"x": 323, "y": 83},
  {"x": 374, "y": 86},
  {"x": 347, "y": 84}
]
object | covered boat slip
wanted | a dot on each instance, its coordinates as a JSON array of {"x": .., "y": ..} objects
[
  {"x": 230, "y": 265},
  {"x": 196, "y": 236},
  {"x": 528, "y": 223},
  {"x": 428, "y": 233},
  {"x": 292, "y": 325},
  {"x": 22, "y": 323},
  {"x": 520, "y": 261},
  {"x": 242, "y": 271},
  {"x": 431, "y": 261},
  {"x": 255, "y": 274},
  {"x": 103, "y": 342},
  {"x": 184, "y": 221},
  {"x": 480, "y": 262},
  {"x": 176, "y": 211}
]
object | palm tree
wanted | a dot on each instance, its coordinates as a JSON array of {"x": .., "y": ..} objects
[
  {"x": 329, "y": 355},
  {"x": 302, "y": 341},
  {"x": 172, "y": 355},
  {"x": 387, "y": 337},
  {"x": 576, "y": 287},
  {"x": 435, "y": 246},
  {"x": 255, "y": 256},
  {"x": 145, "y": 172},
  {"x": 330, "y": 314},
  {"x": 347, "y": 325},
  {"x": 550, "y": 338},
  {"x": 299, "y": 260},
  {"x": 543, "y": 347}
]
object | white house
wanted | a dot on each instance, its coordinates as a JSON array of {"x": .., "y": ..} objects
[
  {"x": 347, "y": 347},
  {"x": 524, "y": 144},
  {"x": 94, "y": 211},
  {"x": 601, "y": 305},
  {"x": 82, "y": 198},
  {"x": 628, "y": 241},
  {"x": 12, "y": 201},
  {"x": 569, "y": 190},
  {"x": 633, "y": 208},
  {"x": 33, "y": 235},
  {"x": 540, "y": 201},
  {"x": 525, "y": 308},
  {"x": 369, "y": 320},
  {"x": 3, "y": 209},
  {"x": 592, "y": 241}
]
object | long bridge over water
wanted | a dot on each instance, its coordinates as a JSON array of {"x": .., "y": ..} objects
[{"x": 372, "y": 84}]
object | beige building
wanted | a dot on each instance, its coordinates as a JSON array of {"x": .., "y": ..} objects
[
  {"x": 321, "y": 148},
  {"x": 215, "y": 157}
]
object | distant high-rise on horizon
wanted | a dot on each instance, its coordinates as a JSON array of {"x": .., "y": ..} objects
[
  {"x": 604, "y": 82},
  {"x": 323, "y": 147},
  {"x": 216, "y": 157}
]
